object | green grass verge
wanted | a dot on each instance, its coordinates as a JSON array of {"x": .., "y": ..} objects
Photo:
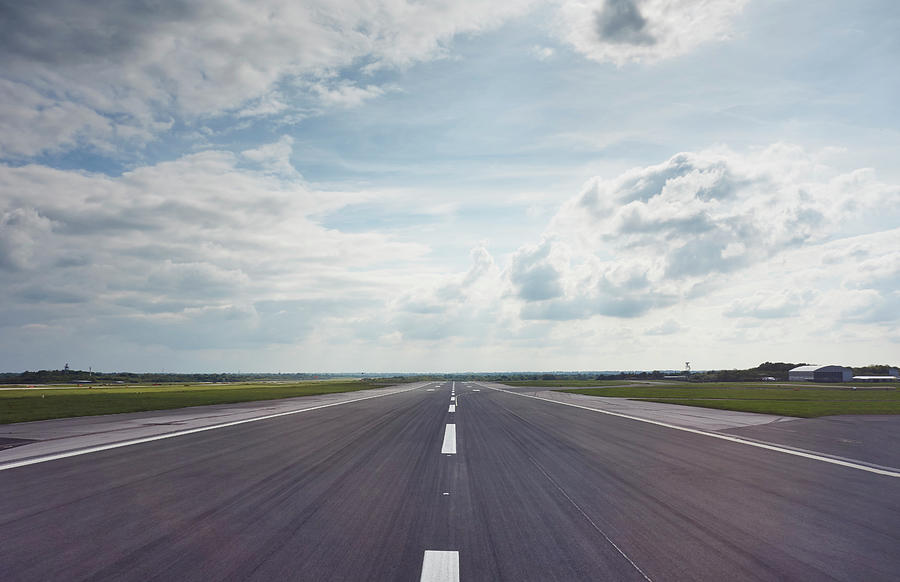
[
  {"x": 566, "y": 383},
  {"x": 800, "y": 402},
  {"x": 41, "y": 404},
  {"x": 801, "y": 408}
]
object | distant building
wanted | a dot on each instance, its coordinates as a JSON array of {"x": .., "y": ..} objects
[
  {"x": 893, "y": 375},
  {"x": 820, "y": 374}
]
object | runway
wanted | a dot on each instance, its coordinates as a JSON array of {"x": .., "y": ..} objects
[{"x": 384, "y": 489}]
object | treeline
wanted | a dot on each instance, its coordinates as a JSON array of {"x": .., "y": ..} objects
[
  {"x": 69, "y": 376},
  {"x": 776, "y": 370}
]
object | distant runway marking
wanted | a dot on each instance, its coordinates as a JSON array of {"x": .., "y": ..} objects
[
  {"x": 105, "y": 447},
  {"x": 888, "y": 472},
  {"x": 452, "y": 408},
  {"x": 440, "y": 566},
  {"x": 449, "y": 446},
  {"x": 476, "y": 390}
]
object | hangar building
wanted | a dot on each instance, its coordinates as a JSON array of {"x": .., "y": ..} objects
[
  {"x": 821, "y": 373},
  {"x": 893, "y": 375}
]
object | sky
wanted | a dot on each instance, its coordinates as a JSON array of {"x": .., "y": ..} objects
[{"x": 414, "y": 186}]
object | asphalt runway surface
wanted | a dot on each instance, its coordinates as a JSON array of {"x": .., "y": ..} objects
[{"x": 533, "y": 490}]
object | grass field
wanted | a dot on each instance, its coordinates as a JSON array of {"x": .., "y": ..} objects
[
  {"x": 40, "y": 404},
  {"x": 801, "y": 401},
  {"x": 567, "y": 383}
]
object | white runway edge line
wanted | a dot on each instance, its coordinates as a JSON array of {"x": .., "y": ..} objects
[
  {"x": 449, "y": 446},
  {"x": 886, "y": 472},
  {"x": 452, "y": 408},
  {"x": 98, "y": 448},
  {"x": 439, "y": 566}
]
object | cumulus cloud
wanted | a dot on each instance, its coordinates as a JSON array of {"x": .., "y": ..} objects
[
  {"x": 202, "y": 239},
  {"x": 655, "y": 235},
  {"x": 773, "y": 305},
  {"x": 874, "y": 286},
  {"x": 621, "y": 22},
  {"x": 22, "y": 232},
  {"x": 534, "y": 274},
  {"x": 453, "y": 306},
  {"x": 87, "y": 72},
  {"x": 619, "y": 31}
]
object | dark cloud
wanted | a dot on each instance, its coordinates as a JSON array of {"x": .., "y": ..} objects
[
  {"x": 611, "y": 295},
  {"x": 621, "y": 22},
  {"x": 22, "y": 231},
  {"x": 558, "y": 310},
  {"x": 78, "y": 222},
  {"x": 623, "y": 305},
  {"x": 423, "y": 307},
  {"x": 533, "y": 275},
  {"x": 72, "y": 261},
  {"x": 153, "y": 306},
  {"x": 635, "y": 222},
  {"x": 44, "y": 295},
  {"x": 65, "y": 32}
]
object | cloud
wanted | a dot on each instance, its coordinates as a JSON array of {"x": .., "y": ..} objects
[
  {"x": 675, "y": 231},
  {"x": 874, "y": 286},
  {"x": 22, "y": 232},
  {"x": 620, "y": 22},
  {"x": 202, "y": 240},
  {"x": 102, "y": 74},
  {"x": 718, "y": 211},
  {"x": 612, "y": 290},
  {"x": 779, "y": 305},
  {"x": 621, "y": 31},
  {"x": 344, "y": 93},
  {"x": 274, "y": 157},
  {"x": 543, "y": 53},
  {"x": 668, "y": 327},
  {"x": 456, "y": 306},
  {"x": 533, "y": 273},
  {"x": 32, "y": 123}
]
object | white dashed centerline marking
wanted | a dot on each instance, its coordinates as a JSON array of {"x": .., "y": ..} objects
[
  {"x": 440, "y": 566},
  {"x": 449, "y": 447},
  {"x": 452, "y": 408}
]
